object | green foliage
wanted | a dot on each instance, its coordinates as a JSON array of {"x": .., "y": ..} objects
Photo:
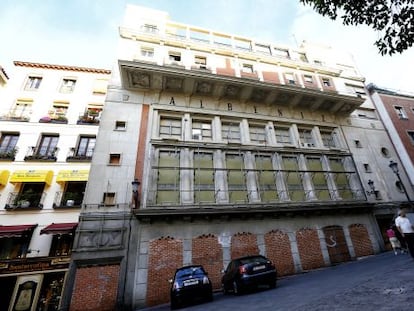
[{"x": 393, "y": 19}]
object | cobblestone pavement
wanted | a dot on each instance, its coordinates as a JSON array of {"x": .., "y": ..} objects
[{"x": 381, "y": 282}]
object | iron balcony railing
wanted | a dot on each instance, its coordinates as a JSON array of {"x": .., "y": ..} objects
[{"x": 25, "y": 200}]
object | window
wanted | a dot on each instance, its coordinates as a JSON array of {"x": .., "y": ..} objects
[
  {"x": 147, "y": 52},
  {"x": 318, "y": 175},
  {"x": 22, "y": 109},
  {"x": 150, "y": 28},
  {"x": 328, "y": 139},
  {"x": 258, "y": 134},
  {"x": 230, "y": 132},
  {"x": 73, "y": 194},
  {"x": 59, "y": 111},
  {"x": 341, "y": 177},
  {"x": 109, "y": 198},
  {"x": 31, "y": 195},
  {"x": 204, "y": 189},
  {"x": 282, "y": 135},
  {"x": 86, "y": 146},
  {"x": 32, "y": 83},
  {"x": 201, "y": 62},
  {"x": 306, "y": 138},
  {"x": 281, "y": 52},
  {"x": 100, "y": 86},
  {"x": 120, "y": 125},
  {"x": 265, "y": 49},
  {"x": 318, "y": 62},
  {"x": 236, "y": 178},
  {"x": 8, "y": 143},
  {"x": 308, "y": 79},
  {"x": 115, "y": 159},
  {"x": 174, "y": 56},
  {"x": 48, "y": 146},
  {"x": 168, "y": 177},
  {"x": 247, "y": 68},
  {"x": 68, "y": 85},
  {"x": 293, "y": 179},
  {"x": 326, "y": 82},
  {"x": 358, "y": 90},
  {"x": 290, "y": 78},
  {"x": 400, "y": 112},
  {"x": 61, "y": 245},
  {"x": 170, "y": 128},
  {"x": 266, "y": 178},
  {"x": 411, "y": 135},
  {"x": 367, "y": 168},
  {"x": 201, "y": 130}
]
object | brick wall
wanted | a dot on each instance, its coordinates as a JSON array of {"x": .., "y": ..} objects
[
  {"x": 360, "y": 240},
  {"x": 244, "y": 244},
  {"x": 278, "y": 250},
  {"x": 95, "y": 288},
  {"x": 165, "y": 255},
  {"x": 208, "y": 252},
  {"x": 309, "y": 247}
]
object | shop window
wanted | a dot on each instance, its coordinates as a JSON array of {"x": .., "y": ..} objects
[{"x": 51, "y": 291}]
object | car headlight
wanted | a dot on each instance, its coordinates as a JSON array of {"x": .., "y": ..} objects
[
  {"x": 175, "y": 286},
  {"x": 206, "y": 280}
]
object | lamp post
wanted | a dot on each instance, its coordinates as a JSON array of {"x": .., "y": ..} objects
[
  {"x": 135, "y": 184},
  {"x": 394, "y": 166}
]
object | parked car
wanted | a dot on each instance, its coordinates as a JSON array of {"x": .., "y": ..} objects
[
  {"x": 190, "y": 283},
  {"x": 248, "y": 273}
]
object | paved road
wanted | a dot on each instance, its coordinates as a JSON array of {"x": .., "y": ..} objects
[{"x": 381, "y": 282}]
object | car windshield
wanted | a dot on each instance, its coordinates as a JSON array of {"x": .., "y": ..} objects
[
  {"x": 189, "y": 272},
  {"x": 258, "y": 259}
]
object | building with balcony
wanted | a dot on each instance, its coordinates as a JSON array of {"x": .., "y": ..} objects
[
  {"x": 45, "y": 156},
  {"x": 213, "y": 146}
]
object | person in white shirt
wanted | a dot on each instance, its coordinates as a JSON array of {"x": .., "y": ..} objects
[{"x": 406, "y": 229}]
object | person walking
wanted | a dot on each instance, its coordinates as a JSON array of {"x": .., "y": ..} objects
[
  {"x": 395, "y": 243},
  {"x": 406, "y": 229}
]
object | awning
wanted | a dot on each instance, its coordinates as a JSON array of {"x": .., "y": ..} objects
[
  {"x": 4, "y": 177},
  {"x": 32, "y": 176},
  {"x": 72, "y": 175},
  {"x": 60, "y": 228},
  {"x": 15, "y": 231}
]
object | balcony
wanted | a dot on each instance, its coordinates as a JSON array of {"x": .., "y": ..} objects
[
  {"x": 17, "y": 117},
  {"x": 77, "y": 156},
  {"x": 54, "y": 119},
  {"x": 89, "y": 117},
  {"x": 25, "y": 200},
  {"x": 8, "y": 155},
  {"x": 68, "y": 199},
  {"x": 140, "y": 76},
  {"x": 38, "y": 154}
]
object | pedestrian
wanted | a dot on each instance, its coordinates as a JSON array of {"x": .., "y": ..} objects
[
  {"x": 396, "y": 245},
  {"x": 406, "y": 229}
]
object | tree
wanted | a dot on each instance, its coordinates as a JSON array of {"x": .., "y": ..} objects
[{"x": 393, "y": 19}]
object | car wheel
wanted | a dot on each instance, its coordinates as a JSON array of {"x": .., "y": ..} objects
[
  {"x": 225, "y": 290},
  {"x": 272, "y": 284},
  {"x": 236, "y": 288},
  {"x": 210, "y": 297},
  {"x": 174, "y": 304}
]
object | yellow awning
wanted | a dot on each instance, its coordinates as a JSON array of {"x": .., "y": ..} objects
[
  {"x": 32, "y": 176},
  {"x": 72, "y": 175},
  {"x": 4, "y": 177}
]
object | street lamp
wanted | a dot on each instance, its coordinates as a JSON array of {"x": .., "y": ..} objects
[
  {"x": 135, "y": 184},
  {"x": 394, "y": 166}
]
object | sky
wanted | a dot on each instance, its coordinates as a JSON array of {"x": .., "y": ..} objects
[{"x": 85, "y": 32}]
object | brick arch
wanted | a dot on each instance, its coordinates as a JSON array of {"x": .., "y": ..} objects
[
  {"x": 207, "y": 251},
  {"x": 279, "y": 251},
  {"x": 165, "y": 255},
  {"x": 360, "y": 240},
  {"x": 309, "y": 247},
  {"x": 244, "y": 244}
]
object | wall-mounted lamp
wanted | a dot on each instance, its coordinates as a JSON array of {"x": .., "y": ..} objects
[
  {"x": 372, "y": 187},
  {"x": 135, "y": 185}
]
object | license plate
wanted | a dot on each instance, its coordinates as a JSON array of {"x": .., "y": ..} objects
[
  {"x": 190, "y": 282},
  {"x": 259, "y": 267}
]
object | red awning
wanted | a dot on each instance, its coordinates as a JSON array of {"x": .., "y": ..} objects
[
  {"x": 62, "y": 228},
  {"x": 15, "y": 231}
]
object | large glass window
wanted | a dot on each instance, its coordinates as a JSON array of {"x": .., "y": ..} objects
[
  {"x": 236, "y": 178},
  {"x": 318, "y": 178},
  {"x": 203, "y": 177},
  {"x": 168, "y": 179},
  {"x": 328, "y": 138},
  {"x": 282, "y": 135},
  {"x": 257, "y": 134},
  {"x": 306, "y": 138},
  {"x": 8, "y": 143},
  {"x": 86, "y": 146},
  {"x": 47, "y": 146},
  {"x": 32, "y": 83},
  {"x": 341, "y": 178},
  {"x": 267, "y": 178},
  {"x": 201, "y": 130},
  {"x": 293, "y": 179}
]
